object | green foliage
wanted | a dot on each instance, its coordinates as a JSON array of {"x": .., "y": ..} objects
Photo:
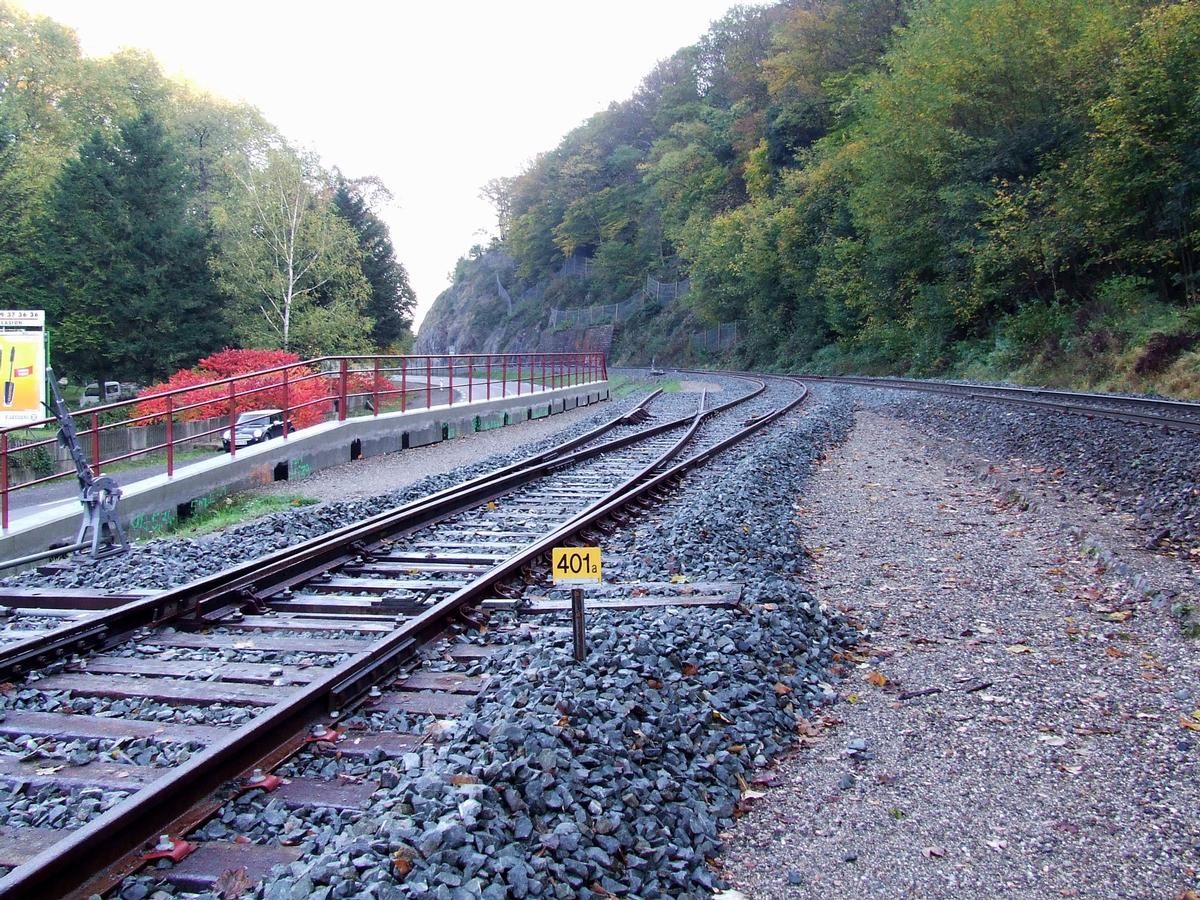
[
  {"x": 122, "y": 213},
  {"x": 999, "y": 187},
  {"x": 292, "y": 265},
  {"x": 392, "y": 299},
  {"x": 123, "y": 262}
]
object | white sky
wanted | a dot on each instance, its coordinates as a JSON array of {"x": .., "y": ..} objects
[{"x": 433, "y": 97}]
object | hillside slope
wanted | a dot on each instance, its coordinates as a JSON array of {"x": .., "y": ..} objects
[{"x": 978, "y": 188}]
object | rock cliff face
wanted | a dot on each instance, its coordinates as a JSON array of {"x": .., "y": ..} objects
[
  {"x": 477, "y": 312},
  {"x": 488, "y": 309}
]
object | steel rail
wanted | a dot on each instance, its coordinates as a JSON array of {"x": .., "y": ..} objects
[
  {"x": 126, "y": 827},
  {"x": 307, "y": 558},
  {"x": 1178, "y": 414}
]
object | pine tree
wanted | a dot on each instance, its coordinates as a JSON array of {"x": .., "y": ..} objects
[
  {"x": 129, "y": 293},
  {"x": 392, "y": 298}
]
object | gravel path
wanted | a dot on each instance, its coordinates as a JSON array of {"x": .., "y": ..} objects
[
  {"x": 391, "y": 471},
  {"x": 1013, "y": 722}
]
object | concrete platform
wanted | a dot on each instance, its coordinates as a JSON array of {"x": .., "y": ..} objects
[{"x": 154, "y": 503}]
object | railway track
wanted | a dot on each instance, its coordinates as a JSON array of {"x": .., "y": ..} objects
[
  {"x": 1173, "y": 414},
  {"x": 289, "y": 648}
]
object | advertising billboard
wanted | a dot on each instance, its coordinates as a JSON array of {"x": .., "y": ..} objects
[{"x": 22, "y": 366}]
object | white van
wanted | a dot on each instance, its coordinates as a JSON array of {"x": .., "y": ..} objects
[{"x": 113, "y": 391}]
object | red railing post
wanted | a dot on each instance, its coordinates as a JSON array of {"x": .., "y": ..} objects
[
  {"x": 489, "y": 377},
  {"x": 232, "y": 420},
  {"x": 4, "y": 480},
  {"x": 429, "y": 382},
  {"x": 375, "y": 387},
  {"x": 170, "y": 435},
  {"x": 404, "y": 384},
  {"x": 287, "y": 406},
  {"x": 532, "y": 366},
  {"x": 543, "y": 372},
  {"x": 343, "y": 385},
  {"x": 518, "y": 374},
  {"x": 96, "y": 441}
]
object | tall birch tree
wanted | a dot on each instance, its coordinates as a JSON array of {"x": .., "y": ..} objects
[{"x": 286, "y": 255}]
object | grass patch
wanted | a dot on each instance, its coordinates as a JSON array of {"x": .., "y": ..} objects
[
  {"x": 233, "y": 510},
  {"x": 622, "y": 386}
]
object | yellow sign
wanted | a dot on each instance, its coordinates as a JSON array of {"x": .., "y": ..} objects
[
  {"x": 22, "y": 366},
  {"x": 575, "y": 565}
]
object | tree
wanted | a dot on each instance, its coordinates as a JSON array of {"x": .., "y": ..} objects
[
  {"x": 392, "y": 298},
  {"x": 124, "y": 259},
  {"x": 1141, "y": 190},
  {"x": 282, "y": 246}
]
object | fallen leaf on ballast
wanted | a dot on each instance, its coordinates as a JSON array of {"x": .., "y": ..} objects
[
  {"x": 1053, "y": 740},
  {"x": 781, "y": 688},
  {"x": 1115, "y": 653},
  {"x": 1192, "y": 722},
  {"x": 933, "y": 852},
  {"x": 1121, "y": 615},
  {"x": 997, "y": 845},
  {"x": 877, "y": 678},
  {"x": 1072, "y": 770},
  {"x": 688, "y": 670},
  {"x": 678, "y": 579},
  {"x": 233, "y": 883},
  {"x": 1019, "y": 648},
  {"x": 401, "y": 864},
  {"x": 463, "y": 779}
]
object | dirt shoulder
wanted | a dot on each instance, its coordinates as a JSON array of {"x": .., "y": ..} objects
[{"x": 1015, "y": 722}]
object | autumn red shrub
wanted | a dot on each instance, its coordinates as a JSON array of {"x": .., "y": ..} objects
[{"x": 309, "y": 393}]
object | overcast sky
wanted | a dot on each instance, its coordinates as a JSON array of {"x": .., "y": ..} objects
[{"x": 435, "y": 98}]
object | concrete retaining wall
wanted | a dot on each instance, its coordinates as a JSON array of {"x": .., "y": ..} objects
[{"x": 154, "y": 503}]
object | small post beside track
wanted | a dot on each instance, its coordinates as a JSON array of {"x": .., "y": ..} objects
[{"x": 577, "y": 633}]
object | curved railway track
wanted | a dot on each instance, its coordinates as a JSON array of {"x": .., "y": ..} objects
[
  {"x": 339, "y": 622},
  {"x": 1174, "y": 414}
]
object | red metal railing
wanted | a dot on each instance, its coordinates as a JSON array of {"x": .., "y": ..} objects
[{"x": 307, "y": 393}]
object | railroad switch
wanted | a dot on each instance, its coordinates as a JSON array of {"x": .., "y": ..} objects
[
  {"x": 260, "y": 781},
  {"x": 166, "y": 848}
]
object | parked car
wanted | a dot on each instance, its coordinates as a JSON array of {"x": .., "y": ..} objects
[
  {"x": 255, "y": 427},
  {"x": 113, "y": 391}
]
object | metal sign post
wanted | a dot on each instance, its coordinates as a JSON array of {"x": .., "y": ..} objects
[{"x": 576, "y": 566}]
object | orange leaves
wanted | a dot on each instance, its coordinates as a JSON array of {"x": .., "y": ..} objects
[
  {"x": 1190, "y": 722},
  {"x": 876, "y": 678}
]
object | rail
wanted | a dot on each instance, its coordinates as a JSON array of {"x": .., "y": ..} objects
[
  {"x": 1181, "y": 415},
  {"x": 306, "y": 393},
  {"x": 97, "y": 844}
]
